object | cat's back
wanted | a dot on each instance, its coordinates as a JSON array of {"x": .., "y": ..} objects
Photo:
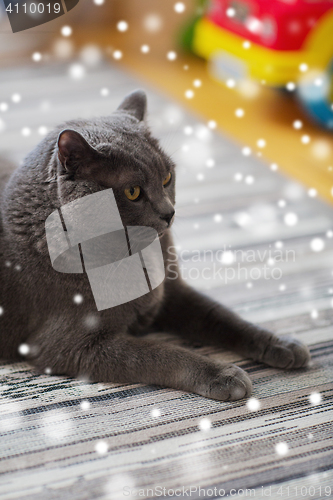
[{"x": 6, "y": 170}]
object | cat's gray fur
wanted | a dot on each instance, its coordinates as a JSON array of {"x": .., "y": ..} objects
[{"x": 38, "y": 308}]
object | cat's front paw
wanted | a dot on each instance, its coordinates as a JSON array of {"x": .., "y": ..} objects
[
  {"x": 231, "y": 384},
  {"x": 287, "y": 353}
]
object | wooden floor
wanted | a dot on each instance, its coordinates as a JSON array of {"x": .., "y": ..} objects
[{"x": 269, "y": 116}]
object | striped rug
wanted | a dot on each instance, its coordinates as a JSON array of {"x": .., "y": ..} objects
[{"x": 66, "y": 439}]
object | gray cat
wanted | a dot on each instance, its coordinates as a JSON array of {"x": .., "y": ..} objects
[{"x": 115, "y": 152}]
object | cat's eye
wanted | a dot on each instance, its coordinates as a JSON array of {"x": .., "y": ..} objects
[
  {"x": 167, "y": 179},
  {"x": 133, "y": 193}
]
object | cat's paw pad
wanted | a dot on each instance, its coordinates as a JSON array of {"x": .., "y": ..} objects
[
  {"x": 287, "y": 353},
  {"x": 231, "y": 384}
]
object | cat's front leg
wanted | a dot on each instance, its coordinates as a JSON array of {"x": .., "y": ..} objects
[
  {"x": 125, "y": 359},
  {"x": 197, "y": 318}
]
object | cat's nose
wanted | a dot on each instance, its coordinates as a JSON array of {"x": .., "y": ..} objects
[{"x": 167, "y": 217}]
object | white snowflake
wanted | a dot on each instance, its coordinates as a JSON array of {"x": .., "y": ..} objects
[
  {"x": 104, "y": 92},
  {"x": 85, "y": 405},
  {"x": 297, "y": 124},
  {"x": 78, "y": 299},
  {"x": 36, "y": 56},
  {"x": 210, "y": 163},
  {"x": 24, "y": 349},
  {"x": 66, "y": 31},
  {"x": 230, "y": 83},
  {"x": 16, "y": 98},
  {"x": 26, "y": 131},
  {"x": 212, "y": 124},
  {"x": 42, "y": 130},
  {"x": 230, "y": 12},
  {"x": 205, "y": 424},
  {"x": 189, "y": 94},
  {"x": 243, "y": 219},
  {"x": 76, "y": 71},
  {"x": 314, "y": 314},
  {"x": 303, "y": 67},
  {"x": 315, "y": 398},
  {"x": 317, "y": 245},
  {"x": 246, "y": 151},
  {"x": 261, "y": 143},
  {"x": 305, "y": 139},
  {"x": 203, "y": 133},
  {"x": 290, "y": 219},
  {"x": 249, "y": 179},
  {"x": 101, "y": 447},
  {"x": 290, "y": 86},
  {"x": 156, "y": 412},
  {"x": 188, "y": 130},
  {"x": 172, "y": 55},
  {"x": 179, "y": 7},
  {"x": 3, "y": 107},
  {"x": 117, "y": 54},
  {"x": 145, "y": 49},
  {"x": 227, "y": 257},
  {"x": 239, "y": 112},
  {"x": 253, "y": 404},
  {"x": 122, "y": 26},
  {"x": 281, "y": 449}
]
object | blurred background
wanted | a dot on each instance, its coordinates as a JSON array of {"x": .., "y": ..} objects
[
  {"x": 240, "y": 95},
  {"x": 258, "y": 71}
]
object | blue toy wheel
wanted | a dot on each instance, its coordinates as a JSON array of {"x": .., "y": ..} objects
[{"x": 315, "y": 96}]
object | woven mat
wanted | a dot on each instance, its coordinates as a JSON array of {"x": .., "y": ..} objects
[{"x": 65, "y": 439}]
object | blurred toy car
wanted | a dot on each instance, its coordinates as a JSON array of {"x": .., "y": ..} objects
[{"x": 274, "y": 41}]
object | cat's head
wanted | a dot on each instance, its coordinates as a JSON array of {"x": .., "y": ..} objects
[{"x": 119, "y": 152}]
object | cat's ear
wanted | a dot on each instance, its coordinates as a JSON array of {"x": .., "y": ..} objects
[
  {"x": 135, "y": 104},
  {"x": 74, "y": 151}
]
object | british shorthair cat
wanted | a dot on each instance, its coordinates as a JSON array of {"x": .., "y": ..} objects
[{"x": 83, "y": 157}]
